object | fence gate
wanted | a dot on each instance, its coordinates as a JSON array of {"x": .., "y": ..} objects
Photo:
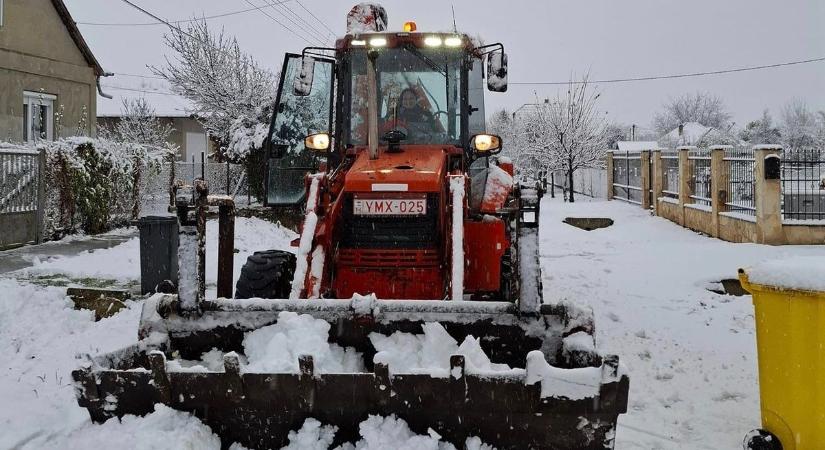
[
  {"x": 21, "y": 197},
  {"x": 627, "y": 177}
]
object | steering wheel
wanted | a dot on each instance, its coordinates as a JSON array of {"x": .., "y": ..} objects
[{"x": 440, "y": 111}]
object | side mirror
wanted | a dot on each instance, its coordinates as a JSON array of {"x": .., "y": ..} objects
[
  {"x": 318, "y": 142},
  {"x": 497, "y": 72},
  {"x": 302, "y": 85},
  {"x": 485, "y": 144}
]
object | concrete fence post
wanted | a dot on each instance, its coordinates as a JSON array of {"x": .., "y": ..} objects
[
  {"x": 658, "y": 179},
  {"x": 768, "y": 198},
  {"x": 610, "y": 175},
  {"x": 718, "y": 184},
  {"x": 644, "y": 166},
  {"x": 685, "y": 181}
]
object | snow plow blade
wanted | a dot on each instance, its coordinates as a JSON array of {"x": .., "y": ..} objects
[{"x": 572, "y": 404}]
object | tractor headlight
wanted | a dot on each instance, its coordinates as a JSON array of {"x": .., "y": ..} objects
[
  {"x": 432, "y": 41},
  {"x": 378, "y": 42},
  {"x": 487, "y": 144},
  {"x": 318, "y": 141},
  {"x": 453, "y": 41}
]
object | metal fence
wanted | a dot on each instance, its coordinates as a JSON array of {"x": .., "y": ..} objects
[
  {"x": 670, "y": 174},
  {"x": 741, "y": 195},
  {"x": 700, "y": 179},
  {"x": 222, "y": 178},
  {"x": 18, "y": 180},
  {"x": 627, "y": 176},
  {"x": 21, "y": 194},
  {"x": 803, "y": 184}
]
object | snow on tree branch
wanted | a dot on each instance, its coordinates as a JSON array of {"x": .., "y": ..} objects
[
  {"x": 232, "y": 94},
  {"x": 566, "y": 133}
]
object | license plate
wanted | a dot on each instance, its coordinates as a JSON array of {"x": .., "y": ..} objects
[{"x": 390, "y": 206}]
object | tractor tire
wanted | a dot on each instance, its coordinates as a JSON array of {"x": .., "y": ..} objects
[{"x": 266, "y": 274}]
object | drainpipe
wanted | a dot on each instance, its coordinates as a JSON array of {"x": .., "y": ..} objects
[{"x": 99, "y": 89}]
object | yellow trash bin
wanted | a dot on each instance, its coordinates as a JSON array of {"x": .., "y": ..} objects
[{"x": 790, "y": 337}]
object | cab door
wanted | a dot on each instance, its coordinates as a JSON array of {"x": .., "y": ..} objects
[{"x": 294, "y": 118}]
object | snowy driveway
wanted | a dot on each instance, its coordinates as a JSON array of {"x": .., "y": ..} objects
[{"x": 691, "y": 353}]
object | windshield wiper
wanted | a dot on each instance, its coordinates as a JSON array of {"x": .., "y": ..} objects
[{"x": 433, "y": 65}]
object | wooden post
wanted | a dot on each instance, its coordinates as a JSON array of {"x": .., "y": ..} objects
[
  {"x": 226, "y": 248},
  {"x": 658, "y": 181},
  {"x": 768, "y": 199},
  {"x": 610, "y": 174},
  {"x": 718, "y": 184},
  {"x": 644, "y": 166}
]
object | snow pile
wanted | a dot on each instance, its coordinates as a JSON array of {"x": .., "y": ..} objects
[
  {"x": 312, "y": 436},
  {"x": 165, "y": 428},
  {"x": 575, "y": 384},
  {"x": 40, "y": 336},
  {"x": 276, "y": 348},
  {"x": 381, "y": 433},
  {"x": 430, "y": 352},
  {"x": 211, "y": 361},
  {"x": 801, "y": 272}
]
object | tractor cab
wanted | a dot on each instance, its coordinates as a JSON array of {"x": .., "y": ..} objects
[{"x": 380, "y": 93}]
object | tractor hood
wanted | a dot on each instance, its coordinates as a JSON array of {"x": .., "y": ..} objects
[{"x": 418, "y": 168}]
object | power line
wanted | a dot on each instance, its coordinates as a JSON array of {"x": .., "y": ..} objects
[
  {"x": 145, "y": 91},
  {"x": 316, "y": 18},
  {"x": 681, "y": 75},
  {"x": 138, "y": 76},
  {"x": 303, "y": 21},
  {"x": 261, "y": 9},
  {"x": 232, "y": 13}
]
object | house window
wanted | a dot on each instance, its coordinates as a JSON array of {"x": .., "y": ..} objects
[{"x": 38, "y": 116}]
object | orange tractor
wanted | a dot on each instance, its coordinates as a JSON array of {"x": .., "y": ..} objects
[{"x": 382, "y": 141}]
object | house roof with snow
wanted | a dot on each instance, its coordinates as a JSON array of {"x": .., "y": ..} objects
[
  {"x": 691, "y": 134},
  {"x": 637, "y": 146},
  {"x": 157, "y": 94}
]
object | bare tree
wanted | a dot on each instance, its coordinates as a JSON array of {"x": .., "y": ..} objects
[
  {"x": 225, "y": 84},
  {"x": 702, "y": 107},
  {"x": 567, "y": 133},
  {"x": 801, "y": 128},
  {"x": 138, "y": 124}
]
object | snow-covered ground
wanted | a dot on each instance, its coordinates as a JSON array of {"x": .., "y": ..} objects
[
  {"x": 691, "y": 353},
  {"x": 122, "y": 263}
]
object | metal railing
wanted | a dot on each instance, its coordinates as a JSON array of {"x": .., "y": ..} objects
[
  {"x": 18, "y": 180},
  {"x": 803, "y": 184},
  {"x": 627, "y": 176},
  {"x": 700, "y": 177},
  {"x": 670, "y": 174},
  {"x": 741, "y": 195}
]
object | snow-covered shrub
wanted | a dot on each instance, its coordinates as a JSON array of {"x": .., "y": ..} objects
[{"x": 94, "y": 183}]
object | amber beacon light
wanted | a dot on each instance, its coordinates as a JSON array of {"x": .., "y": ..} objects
[{"x": 410, "y": 27}]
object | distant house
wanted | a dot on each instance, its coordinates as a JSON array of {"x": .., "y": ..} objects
[
  {"x": 694, "y": 133},
  {"x": 636, "y": 146},
  {"x": 48, "y": 75},
  {"x": 189, "y": 135}
]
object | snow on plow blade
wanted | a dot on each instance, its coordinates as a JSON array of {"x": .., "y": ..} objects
[{"x": 559, "y": 395}]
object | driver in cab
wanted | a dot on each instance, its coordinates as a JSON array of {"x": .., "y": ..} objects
[{"x": 416, "y": 121}]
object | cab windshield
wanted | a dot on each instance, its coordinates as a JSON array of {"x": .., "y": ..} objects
[{"x": 418, "y": 92}]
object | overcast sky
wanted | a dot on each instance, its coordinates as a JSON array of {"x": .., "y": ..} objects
[{"x": 545, "y": 40}]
